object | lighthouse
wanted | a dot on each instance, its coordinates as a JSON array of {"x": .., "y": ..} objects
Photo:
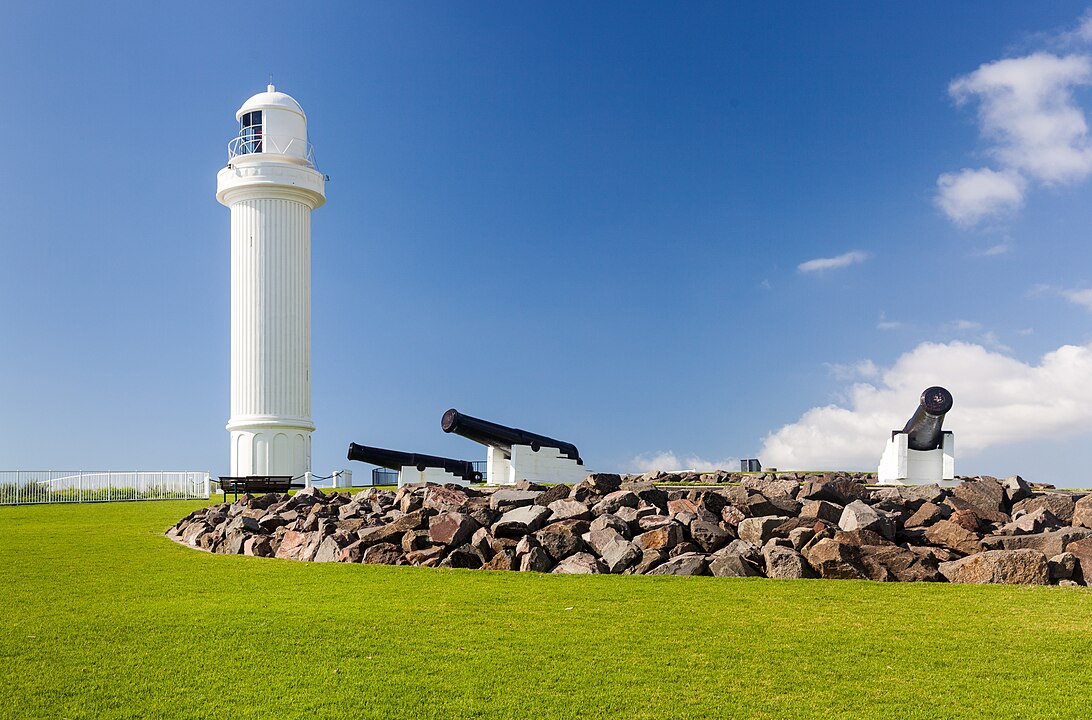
[{"x": 271, "y": 186}]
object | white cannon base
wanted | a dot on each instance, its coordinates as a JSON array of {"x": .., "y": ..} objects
[
  {"x": 547, "y": 466},
  {"x": 410, "y": 475},
  {"x": 899, "y": 465}
]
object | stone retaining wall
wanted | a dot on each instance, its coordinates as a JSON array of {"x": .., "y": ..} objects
[{"x": 783, "y": 525}]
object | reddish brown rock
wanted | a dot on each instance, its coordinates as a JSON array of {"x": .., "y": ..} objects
[
  {"x": 1008, "y": 567},
  {"x": 451, "y": 529},
  {"x": 384, "y": 554},
  {"x": 947, "y": 534}
]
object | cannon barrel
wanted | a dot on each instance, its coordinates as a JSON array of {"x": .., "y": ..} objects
[
  {"x": 924, "y": 426},
  {"x": 396, "y": 460},
  {"x": 501, "y": 436}
]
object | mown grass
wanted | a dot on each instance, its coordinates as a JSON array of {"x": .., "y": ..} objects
[{"x": 103, "y": 617}]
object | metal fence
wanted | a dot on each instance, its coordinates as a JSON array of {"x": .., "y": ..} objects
[{"x": 25, "y": 487}]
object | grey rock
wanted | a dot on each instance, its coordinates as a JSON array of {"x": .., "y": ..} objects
[
  {"x": 535, "y": 561},
  {"x": 614, "y": 501},
  {"x": 821, "y": 510},
  {"x": 648, "y": 560},
  {"x": 561, "y": 539},
  {"x": 1082, "y": 512},
  {"x": 709, "y": 536},
  {"x": 1015, "y": 489},
  {"x": 619, "y": 554},
  {"x": 688, "y": 564},
  {"x": 1051, "y": 543},
  {"x": 731, "y": 565},
  {"x": 1062, "y": 567},
  {"x": 859, "y": 516},
  {"x": 785, "y": 563},
  {"x": 613, "y": 522},
  {"x": 570, "y": 510},
  {"x": 757, "y": 530},
  {"x": 1060, "y": 504},
  {"x": 579, "y": 564},
  {"x": 506, "y": 499},
  {"x": 520, "y": 521}
]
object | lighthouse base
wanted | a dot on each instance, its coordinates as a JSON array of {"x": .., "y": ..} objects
[{"x": 266, "y": 450}]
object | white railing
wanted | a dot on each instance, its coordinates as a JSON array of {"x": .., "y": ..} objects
[
  {"x": 24, "y": 487},
  {"x": 250, "y": 144}
]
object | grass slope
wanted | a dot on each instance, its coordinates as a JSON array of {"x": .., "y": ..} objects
[{"x": 103, "y": 617}]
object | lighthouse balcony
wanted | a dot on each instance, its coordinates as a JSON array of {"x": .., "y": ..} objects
[{"x": 250, "y": 143}]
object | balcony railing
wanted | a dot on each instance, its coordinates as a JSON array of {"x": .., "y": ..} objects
[{"x": 249, "y": 144}]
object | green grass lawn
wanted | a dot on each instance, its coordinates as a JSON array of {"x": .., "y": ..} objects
[{"x": 102, "y": 616}]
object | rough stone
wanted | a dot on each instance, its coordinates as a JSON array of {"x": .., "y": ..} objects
[
  {"x": 1050, "y": 543},
  {"x": 502, "y": 560},
  {"x": 929, "y": 513},
  {"x": 553, "y": 494},
  {"x": 1062, "y": 567},
  {"x": 757, "y": 530},
  {"x": 420, "y": 557},
  {"x": 579, "y": 564},
  {"x": 893, "y": 563},
  {"x": 785, "y": 563},
  {"x": 648, "y": 560},
  {"x": 384, "y": 554},
  {"x": 1082, "y": 512},
  {"x": 663, "y": 538},
  {"x": 732, "y": 565},
  {"x": 1031, "y": 523},
  {"x": 833, "y": 560},
  {"x": 386, "y": 533},
  {"x": 821, "y": 510},
  {"x": 613, "y": 522},
  {"x": 258, "y": 547},
  {"x": 561, "y": 539},
  {"x": 1009, "y": 567},
  {"x": 955, "y": 537},
  {"x": 709, "y": 536},
  {"x": 570, "y": 510},
  {"x": 1082, "y": 551},
  {"x": 521, "y": 520},
  {"x": 615, "y": 500},
  {"x": 536, "y": 560},
  {"x": 1061, "y": 505},
  {"x": 463, "y": 557},
  {"x": 506, "y": 499},
  {"x": 985, "y": 495},
  {"x": 859, "y": 516},
  {"x": 1015, "y": 489},
  {"x": 451, "y": 529},
  {"x": 619, "y": 554},
  {"x": 443, "y": 498},
  {"x": 688, "y": 564}
]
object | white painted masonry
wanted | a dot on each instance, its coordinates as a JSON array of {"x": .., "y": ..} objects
[{"x": 271, "y": 187}]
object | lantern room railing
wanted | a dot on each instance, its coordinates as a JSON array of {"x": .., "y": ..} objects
[{"x": 251, "y": 144}]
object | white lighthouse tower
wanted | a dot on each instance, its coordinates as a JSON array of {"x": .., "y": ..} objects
[{"x": 271, "y": 186}]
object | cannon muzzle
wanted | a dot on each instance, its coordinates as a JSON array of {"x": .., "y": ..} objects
[
  {"x": 396, "y": 460},
  {"x": 924, "y": 426},
  {"x": 501, "y": 436}
]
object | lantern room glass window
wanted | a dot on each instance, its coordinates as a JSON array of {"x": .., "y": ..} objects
[{"x": 251, "y": 132}]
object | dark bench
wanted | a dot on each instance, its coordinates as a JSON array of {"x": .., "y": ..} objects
[{"x": 255, "y": 484}]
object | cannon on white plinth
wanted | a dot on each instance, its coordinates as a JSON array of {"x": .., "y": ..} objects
[
  {"x": 922, "y": 452},
  {"x": 416, "y": 468},
  {"x": 514, "y": 455}
]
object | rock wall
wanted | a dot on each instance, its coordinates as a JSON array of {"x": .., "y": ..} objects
[{"x": 782, "y": 525}]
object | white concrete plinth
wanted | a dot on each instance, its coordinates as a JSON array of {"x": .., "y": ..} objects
[
  {"x": 899, "y": 465},
  {"x": 410, "y": 475},
  {"x": 343, "y": 478},
  {"x": 546, "y": 466}
]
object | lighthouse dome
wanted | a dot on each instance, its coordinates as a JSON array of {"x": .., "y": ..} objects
[{"x": 269, "y": 100}]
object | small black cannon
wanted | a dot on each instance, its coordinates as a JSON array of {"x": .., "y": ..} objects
[
  {"x": 396, "y": 460},
  {"x": 924, "y": 426},
  {"x": 503, "y": 437}
]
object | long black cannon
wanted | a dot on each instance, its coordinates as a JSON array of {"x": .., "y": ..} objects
[
  {"x": 924, "y": 427},
  {"x": 396, "y": 460},
  {"x": 501, "y": 436}
]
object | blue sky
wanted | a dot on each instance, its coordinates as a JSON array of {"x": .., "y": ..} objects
[{"x": 673, "y": 235}]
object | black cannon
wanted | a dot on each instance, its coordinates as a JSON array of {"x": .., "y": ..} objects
[
  {"x": 924, "y": 426},
  {"x": 396, "y": 460},
  {"x": 502, "y": 437}
]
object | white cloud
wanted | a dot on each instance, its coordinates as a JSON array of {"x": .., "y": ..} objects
[
  {"x": 833, "y": 263},
  {"x": 998, "y": 249},
  {"x": 1079, "y": 297},
  {"x": 998, "y": 400},
  {"x": 669, "y": 462},
  {"x": 1033, "y": 126},
  {"x": 969, "y": 196},
  {"x": 963, "y": 325},
  {"x": 885, "y": 324}
]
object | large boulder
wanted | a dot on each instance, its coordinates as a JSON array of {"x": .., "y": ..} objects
[
  {"x": 1060, "y": 504},
  {"x": 954, "y": 537},
  {"x": 662, "y": 538},
  {"x": 731, "y": 565},
  {"x": 928, "y": 513},
  {"x": 561, "y": 539},
  {"x": 451, "y": 529},
  {"x": 823, "y": 510},
  {"x": 785, "y": 563},
  {"x": 893, "y": 563},
  {"x": 709, "y": 536},
  {"x": 1050, "y": 543},
  {"x": 619, "y": 554},
  {"x": 615, "y": 501},
  {"x": 1008, "y": 567},
  {"x": 566, "y": 509},
  {"x": 986, "y": 495},
  {"x": 682, "y": 565},
  {"x": 859, "y": 516},
  {"x": 1082, "y": 512},
  {"x": 757, "y": 530},
  {"x": 1082, "y": 551},
  {"x": 520, "y": 521},
  {"x": 384, "y": 554},
  {"x": 833, "y": 560},
  {"x": 444, "y": 498},
  {"x": 579, "y": 564},
  {"x": 505, "y": 499}
]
